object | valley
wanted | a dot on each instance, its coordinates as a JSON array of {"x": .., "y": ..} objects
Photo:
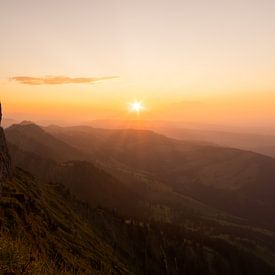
[{"x": 158, "y": 191}]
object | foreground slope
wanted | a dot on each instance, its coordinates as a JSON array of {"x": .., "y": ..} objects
[
  {"x": 45, "y": 233},
  {"x": 44, "y": 229}
]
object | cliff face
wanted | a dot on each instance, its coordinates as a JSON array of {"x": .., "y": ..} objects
[{"x": 5, "y": 161}]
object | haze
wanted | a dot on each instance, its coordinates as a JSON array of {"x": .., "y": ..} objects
[{"x": 199, "y": 61}]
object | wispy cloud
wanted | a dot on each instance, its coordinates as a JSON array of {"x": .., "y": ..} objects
[{"x": 56, "y": 80}]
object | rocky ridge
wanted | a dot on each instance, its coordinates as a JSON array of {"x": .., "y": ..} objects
[{"x": 5, "y": 161}]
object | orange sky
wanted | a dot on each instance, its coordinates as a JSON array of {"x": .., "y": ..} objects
[{"x": 207, "y": 61}]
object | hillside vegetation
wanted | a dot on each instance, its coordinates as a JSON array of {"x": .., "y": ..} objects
[
  {"x": 110, "y": 213},
  {"x": 44, "y": 230}
]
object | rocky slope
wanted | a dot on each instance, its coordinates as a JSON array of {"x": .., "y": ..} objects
[{"x": 5, "y": 162}]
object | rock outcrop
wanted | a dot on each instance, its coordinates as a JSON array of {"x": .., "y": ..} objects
[{"x": 5, "y": 161}]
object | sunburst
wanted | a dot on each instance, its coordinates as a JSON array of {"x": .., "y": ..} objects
[{"x": 136, "y": 106}]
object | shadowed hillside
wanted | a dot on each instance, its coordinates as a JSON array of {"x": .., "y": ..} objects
[
  {"x": 45, "y": 228},
  {"x": 123, "y": 188},
  {"x": 239, "y": 182}
]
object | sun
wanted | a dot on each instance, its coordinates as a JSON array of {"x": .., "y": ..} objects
[{"x": 136, "y": 106}]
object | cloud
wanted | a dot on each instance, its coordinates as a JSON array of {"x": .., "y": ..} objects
[{"x": 56, "y": 80}]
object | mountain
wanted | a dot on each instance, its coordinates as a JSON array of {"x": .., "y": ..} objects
[
  {"x": 85, "y": 180},
  {"x": 157, "y": 169},
  {"x": 239, "y": 182},
  {"x": 127, "y": 190},
  {"x": 257, "y": 139},
  {"x": 259, "y": 143},
  {"x": 45, "y": 229},
  {"x": 52, "y": 160},
  {"x": 33, "y": 138}
]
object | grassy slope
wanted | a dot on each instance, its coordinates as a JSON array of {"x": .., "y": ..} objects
[
  {"x": 45, "y": 230},
  {"x": 39, "y": 217}
]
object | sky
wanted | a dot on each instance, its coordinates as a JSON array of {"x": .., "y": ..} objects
[{"x": 79, "y": 60}]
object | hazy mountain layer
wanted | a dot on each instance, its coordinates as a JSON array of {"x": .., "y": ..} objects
[
  {"x": 239, "y": 182},
  {"x": 31, "y": 138}
]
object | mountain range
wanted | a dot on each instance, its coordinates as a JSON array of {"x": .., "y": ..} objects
[{"x": 144, "y": 203}]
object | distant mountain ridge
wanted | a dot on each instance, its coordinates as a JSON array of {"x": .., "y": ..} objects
[
  {"x": 262, "y": 143},
  {"x": 33, "y": 138}
]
